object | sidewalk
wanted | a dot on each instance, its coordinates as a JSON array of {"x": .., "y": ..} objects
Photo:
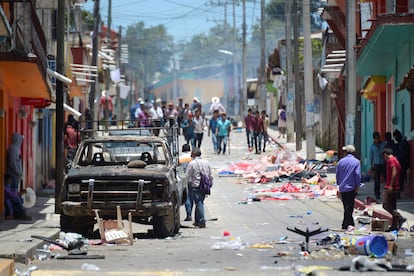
[{"x": 15, "y": 235}]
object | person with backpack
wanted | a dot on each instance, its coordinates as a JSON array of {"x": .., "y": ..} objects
[
  {"x": 281, "y": 123},
  {"x": 196, "y": 170}
]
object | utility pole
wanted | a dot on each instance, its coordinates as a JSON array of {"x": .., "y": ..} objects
[
  {"x": 120, "y": 114},
  {"x": 262, "y": 70},
  {"x": 350, "y": 106},
  {"x": 308, "y": 73},
  {"x": 244, "y": 64},
  {"x": 298, "y": 96},
  {"x": 287, "y": 97},
  {"x": 236, "y": 90},
  {"x": 108, "y": 71},
  {"x": 60, "y": 52},
  {"x": 94, "y": 60}
]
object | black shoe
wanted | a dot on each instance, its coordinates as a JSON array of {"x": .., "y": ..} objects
[
  {"x": 200, "y": 224},
  {"x": 219, "y": 151},
  {"x": 264, "y": 150},
  {"x": 188, "y": 219},
  {"x": 401, "y": 221}
]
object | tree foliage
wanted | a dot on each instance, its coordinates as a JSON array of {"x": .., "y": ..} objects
[
  {"x": 150, "y": 50},
  {"x": 275, "y": 10},
  {"x": 203, "y": 49}
]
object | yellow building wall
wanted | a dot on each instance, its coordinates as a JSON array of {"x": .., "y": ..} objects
[{"x": 204, "y": 90}]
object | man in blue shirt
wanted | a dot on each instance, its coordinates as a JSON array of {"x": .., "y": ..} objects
[
  {"x": 212, "y": 128},
  {"x": 377, "y": 162},
  {"x": 223, "y": 132},
  {"x": 348, "y": 177}
]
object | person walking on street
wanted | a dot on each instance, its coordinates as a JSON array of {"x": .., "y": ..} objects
[
  {"x": 188, "y": 130},
  {"x": 266, "y": 124},
  {"x": 212, "y": 126},
  {"x": 223, "y": 133},
  {"x": 197, "y": 167},
  {"x": 281, "y": 122},
  {"x": 403, "y": 155},
  {"x": 71, "y": 142},
  {"x": 377, "y": 162},
  {"x": 348, "y": 177},
  {"x": 248, "y": 123},
  {"x": 257, "y": 132},
  {"x": 14, "y": 161},
  {"x": 198, "y": 128},
  {"x": 184, "y": 160},
  {"x": 392, "y": 189},
  {"x": 216, "y": 105}
]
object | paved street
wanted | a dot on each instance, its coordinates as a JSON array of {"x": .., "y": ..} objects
[{"x": 250, "y": 237}]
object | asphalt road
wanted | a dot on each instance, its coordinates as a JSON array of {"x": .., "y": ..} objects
[{"x": 242, "y": 236}]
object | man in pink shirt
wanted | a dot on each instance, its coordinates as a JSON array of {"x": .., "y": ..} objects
[{"x": 392, "y": 188}]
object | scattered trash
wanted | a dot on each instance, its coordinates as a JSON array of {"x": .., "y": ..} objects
[
  {"x": 331, "y": 239},
  {"x": 262, "y": 246},
  {"x": 282, "y": 238},
  {"x": 362, "y": 264},
  {"x": 226, "y": 233},
  {"x": 408, "y": 252},
  {"x": 89, "y": 267},
  {"x": 28, "y": 272},
  {"x": 233, "y": 244},
  {"x": 308, "y": 270}
]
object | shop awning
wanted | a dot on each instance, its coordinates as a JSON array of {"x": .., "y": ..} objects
[
  {"x": 23, "y": 79},
  {"x": 373, "y": 86}
]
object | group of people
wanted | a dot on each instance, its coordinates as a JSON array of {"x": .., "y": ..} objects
[
  {"x": 256, "y": 125},
  {"x": 388, "y": 159}
]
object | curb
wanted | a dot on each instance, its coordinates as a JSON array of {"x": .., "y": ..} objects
[{"x": 6, "y": 267}]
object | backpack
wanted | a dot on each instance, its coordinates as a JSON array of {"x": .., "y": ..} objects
[
  {"x": 283, "y": 115},
  {"x": 205, "y": 183}
]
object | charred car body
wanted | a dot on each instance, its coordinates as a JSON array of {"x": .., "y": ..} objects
[{"x": 138, "y": 173}]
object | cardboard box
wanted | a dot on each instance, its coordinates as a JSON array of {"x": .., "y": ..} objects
[
  {"x": 379, "y": 225},
  {"x": 6, "y": 267},
  {"x": 392, "y": 247}
]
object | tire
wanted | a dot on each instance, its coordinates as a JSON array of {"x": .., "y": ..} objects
[
  {"x": 80, "y": 225},
  {"x": 166, "y": 226}
]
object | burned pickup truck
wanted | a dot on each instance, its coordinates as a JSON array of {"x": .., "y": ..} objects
[{"x": 137, "y": 173}]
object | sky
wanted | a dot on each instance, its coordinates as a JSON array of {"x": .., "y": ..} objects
[{"x": 182, "y": 18}]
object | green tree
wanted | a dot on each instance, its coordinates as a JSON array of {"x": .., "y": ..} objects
[
  {"x": 203, "y": 49},
  {"x": 276, "y": 10},
  {"x": 150, "y": 50}
]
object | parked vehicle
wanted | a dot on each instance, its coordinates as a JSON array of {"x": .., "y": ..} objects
[{"x": 140, "y": 174}]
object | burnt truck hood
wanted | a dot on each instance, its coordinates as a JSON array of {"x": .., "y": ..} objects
[{"x": 119, "y": 171}]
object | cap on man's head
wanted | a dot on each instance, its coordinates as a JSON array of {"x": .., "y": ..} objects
[
  {"x": 186, "y": 148},
  {"x": 349, "y": 148}
]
